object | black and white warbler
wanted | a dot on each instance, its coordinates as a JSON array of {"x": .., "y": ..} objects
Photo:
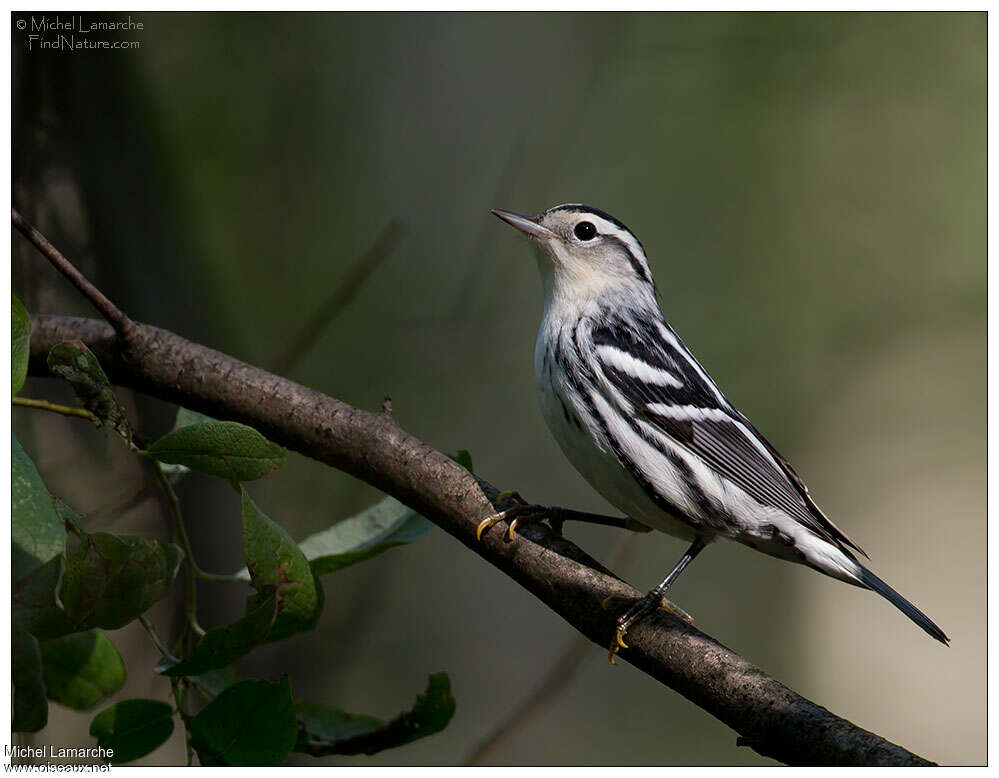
[{"x": 642, "y": 421}]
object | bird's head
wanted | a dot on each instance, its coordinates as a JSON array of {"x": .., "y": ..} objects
[{"x": 585, "y": 252}]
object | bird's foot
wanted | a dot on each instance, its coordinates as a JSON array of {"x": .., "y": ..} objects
[
  {"x": 522, "y": 513},
  {"x": 638, "y": 610}
]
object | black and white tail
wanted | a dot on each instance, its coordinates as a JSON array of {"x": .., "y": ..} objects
[{"x": 875, "y": 584}]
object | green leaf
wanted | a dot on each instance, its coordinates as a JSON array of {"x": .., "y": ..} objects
[
  {"x": 106, "y": 582},
  {"x": 220, "y": 448},
  {"x": 413, "y": 527},
  {"x": 252, "y": 723},
  {"x": 385, "y": 525},
  {"x": 435, "y": 707},
  {"x": 132, "y": 728},
  {"x": 81, "y": 669},
  {"x": 324, "y": 730},
  {"x": 185, "y": 418},
  {"x": 110, "y": 580},
  {"x": 464, "y": 459},
  {"x": 216, "y": 681},
  {"x": 31, "y": 710},
  {"x": 274, "y": 560},
  {"x": 20, "y": 344},
  {"x": 320, "y": 726},
  {"x": 66, "y": 514},
  {"x": 76, "y": 363},
  {"x": 34, "y": 602},
  {"x": 222, "y": 645},
  {"x": 37, "y": 534},
  {"x": 188, "y": 418}
]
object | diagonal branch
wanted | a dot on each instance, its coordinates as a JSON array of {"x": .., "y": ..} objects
[
  {"x": 111, "y": 313},
  {"x": 340, "y": 298},
  {"x": 769, "y": 717}
]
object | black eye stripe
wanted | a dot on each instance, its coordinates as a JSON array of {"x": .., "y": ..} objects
[
  {"x": 585, "y": 230},
  {"x": 637, "y": 266}
]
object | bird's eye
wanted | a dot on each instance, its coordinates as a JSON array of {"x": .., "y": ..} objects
[{"x": 585, "y": 231}]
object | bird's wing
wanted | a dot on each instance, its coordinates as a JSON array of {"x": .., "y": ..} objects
[
  {"x": 792, "y": 474},
  {"x": 665, "y": 386}
]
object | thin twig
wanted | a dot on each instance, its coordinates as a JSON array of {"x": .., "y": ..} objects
[
  {"x": 153, "y": 635},
  {"x": 111, "y": 313},
  {"x": 557, "y": 679},
  {"x": 337, "y": 302},
  {"x": 178, "y": 518},
  {"x": 180, "y": 700},
  {"x": 45, "y": 405},
  {"x": 185, "y": 542},
  {"x": 71, "y": 526}
]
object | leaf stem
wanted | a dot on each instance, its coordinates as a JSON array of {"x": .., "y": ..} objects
[
  {"x": 153, "y": 635},
  {"x": 185, "y": 542},
  {"x": 202, "y": 692},
  {"x": 182, "y": 532},
  {"x": 45, "y": 405},
  {"x": 71, "y": 526},
  {"x": 180, "y": 699}
]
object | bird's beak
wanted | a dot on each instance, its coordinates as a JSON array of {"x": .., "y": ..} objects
[{"x": 526, "y": 225}]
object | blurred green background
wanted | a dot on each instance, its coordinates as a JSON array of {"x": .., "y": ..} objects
[{"x": 811, "y": 190}]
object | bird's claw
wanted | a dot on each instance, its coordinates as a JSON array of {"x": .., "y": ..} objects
[
  {"x": 639, "y": 609},
  {"x": 511, "y": 495},
  {"x": 522, "y": 513},
  {"x": 618, "y": 643},
  {"x": 486, "y": 523}
]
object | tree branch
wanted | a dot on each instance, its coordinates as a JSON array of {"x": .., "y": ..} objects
[
  {"x": 111, "y": 313},
  {"x": 340, "y": 297},
  {"x": 770, "y": 718}
]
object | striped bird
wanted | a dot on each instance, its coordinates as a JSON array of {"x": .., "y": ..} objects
[{"x": 645, "y": 425}]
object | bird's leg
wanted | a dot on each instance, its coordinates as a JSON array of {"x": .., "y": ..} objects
[
  {"x": 654, "y": 599},
  {"x": 667, "y": 605},
  {"x": 526, "y": 513},
  {"x": 620, "y": 522}
]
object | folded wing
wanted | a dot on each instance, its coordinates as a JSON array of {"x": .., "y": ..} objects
[{"x": 652, "y": 371}]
